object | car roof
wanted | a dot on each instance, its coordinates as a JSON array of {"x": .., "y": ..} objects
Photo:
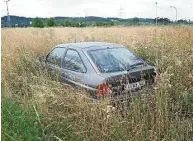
[{"x": 83, "y": 45}]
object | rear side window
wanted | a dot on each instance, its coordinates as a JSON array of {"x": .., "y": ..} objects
[
  {"x": 73, "y": 61},
  {"x": 55, "y": 56}
]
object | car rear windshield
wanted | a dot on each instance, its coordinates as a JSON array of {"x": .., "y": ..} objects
[{"x": 113, "y": 59}]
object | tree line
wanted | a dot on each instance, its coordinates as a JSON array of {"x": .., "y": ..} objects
[
  {"x": 38, "y": 22},
  {"x": 82, "y": 22}
]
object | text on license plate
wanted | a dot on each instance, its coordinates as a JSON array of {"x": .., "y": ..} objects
[{"x": 136, "y": 85}]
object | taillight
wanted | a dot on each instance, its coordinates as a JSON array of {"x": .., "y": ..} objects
[
  {"x": 103, "y": 89},
  {"x": 156, "y": 71}
]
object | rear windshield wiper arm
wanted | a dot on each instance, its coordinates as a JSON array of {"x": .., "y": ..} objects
[
  {"x": 137, "y": 64},
  {"x": 134, "y": 66}
]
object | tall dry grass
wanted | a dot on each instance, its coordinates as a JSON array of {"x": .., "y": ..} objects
[{"x": 69, "y": 115}]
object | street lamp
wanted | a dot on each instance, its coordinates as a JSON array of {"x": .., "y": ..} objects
[
  {"x": 156, "y": 14},
  {"x": 85, "y": 15},
  {"x": 176, "y": 11}
]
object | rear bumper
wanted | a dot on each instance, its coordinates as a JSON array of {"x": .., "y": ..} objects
[
  {"x": 119, "y": 96},
  {"x": 123, "y": 97},
  {"x": 127, "y": 96}
]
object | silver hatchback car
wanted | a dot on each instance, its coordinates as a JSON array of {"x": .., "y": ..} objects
[{"x": 99, "y": 67}]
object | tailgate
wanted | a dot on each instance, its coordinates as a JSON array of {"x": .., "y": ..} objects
[{"x": 119, "y": 82}]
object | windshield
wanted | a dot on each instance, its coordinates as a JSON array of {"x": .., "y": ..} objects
[{"x": 113, "y": 59}]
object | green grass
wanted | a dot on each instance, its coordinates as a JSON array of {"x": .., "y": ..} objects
[
  {"x": 18, "y": 123},
  {"x": 21, "y": 123}
]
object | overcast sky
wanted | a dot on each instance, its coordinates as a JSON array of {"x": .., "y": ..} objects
[{"x": 104, "y": 8}]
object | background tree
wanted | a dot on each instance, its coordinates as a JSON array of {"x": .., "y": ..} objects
[
  {"x": 181, "y": 21},
  {"x": 37, "y": 22},
  {"x": 136, "y": 20},
  {"x": 163, "y": 20},
  {"x": 51, "y": 22},
  {"x": 67, "y": 23}
]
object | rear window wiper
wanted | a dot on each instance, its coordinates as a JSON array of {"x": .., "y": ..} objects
[
  {"x": 134, "y": 66},
  {"x": 137, "y": 64}
]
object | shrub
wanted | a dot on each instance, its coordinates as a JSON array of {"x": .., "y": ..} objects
[
  {"x": 37, "y": 22},
  {"x": 51, "y": 22}
]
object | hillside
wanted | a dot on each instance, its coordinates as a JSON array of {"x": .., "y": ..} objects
[{"x": 26, "y": 20}]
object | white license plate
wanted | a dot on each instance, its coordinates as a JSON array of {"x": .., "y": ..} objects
[{"x": 135, "y": 85}]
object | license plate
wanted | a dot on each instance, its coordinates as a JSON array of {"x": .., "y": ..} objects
[{"x": 135, "y": 85}]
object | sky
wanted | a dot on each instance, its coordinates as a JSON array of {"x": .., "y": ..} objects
[{"x": 103, "y": 8}]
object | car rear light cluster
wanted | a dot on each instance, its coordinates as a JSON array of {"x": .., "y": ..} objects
[
  {"x": 103, "y": 89},
  {"x": 156, "y": 71}
]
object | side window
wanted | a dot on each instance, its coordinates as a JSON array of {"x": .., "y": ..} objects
[
  {"x": 56, "y": 56},
  {"x": 72, "y": 61}
]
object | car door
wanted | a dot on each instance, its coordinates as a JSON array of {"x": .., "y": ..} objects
[
  {"x": 54, "y": 60},
  {"x": 73, "y": 68}
]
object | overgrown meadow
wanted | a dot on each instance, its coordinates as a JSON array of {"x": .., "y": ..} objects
[{"x": 37, "y": 107}]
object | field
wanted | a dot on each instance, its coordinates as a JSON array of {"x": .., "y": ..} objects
[{"x": 61, "y": 113}]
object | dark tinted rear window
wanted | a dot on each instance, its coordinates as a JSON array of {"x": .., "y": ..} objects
[{"x": 113, "y": 59}]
